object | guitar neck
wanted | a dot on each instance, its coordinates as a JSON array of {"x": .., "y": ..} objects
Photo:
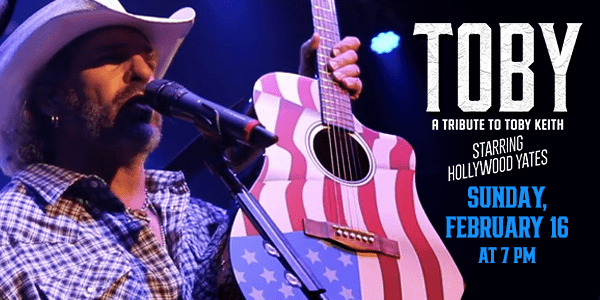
[{"x": 335, "y": 102}]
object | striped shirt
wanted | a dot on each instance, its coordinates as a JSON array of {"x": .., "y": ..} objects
[{"x": 65, "y": 235}]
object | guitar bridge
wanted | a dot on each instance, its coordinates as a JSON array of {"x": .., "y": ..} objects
[{"x": 351, "y": 238}]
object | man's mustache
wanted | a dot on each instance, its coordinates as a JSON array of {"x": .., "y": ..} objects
[{"x": 130, "y": 91}]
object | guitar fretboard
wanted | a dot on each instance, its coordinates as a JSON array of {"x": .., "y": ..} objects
[{"x": 335, "y": 102}]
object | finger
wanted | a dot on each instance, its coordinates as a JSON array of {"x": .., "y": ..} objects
[
  {"x": 348, "y": 43},
  {"x": 347, "y": 58},
  {"x": 307, "y": 55},
  {"x": 347, "y": 71},
  {"x": 309, "y": 47},
  {"x": 353, "y": 85}
]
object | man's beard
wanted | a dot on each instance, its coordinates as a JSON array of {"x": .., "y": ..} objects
[{"x": 106, "y": 126}]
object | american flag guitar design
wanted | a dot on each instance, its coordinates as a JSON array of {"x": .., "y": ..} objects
[{"x": 344, "y": 196}]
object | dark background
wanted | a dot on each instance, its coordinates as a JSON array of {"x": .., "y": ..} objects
[{"x": 234, "y": 42}]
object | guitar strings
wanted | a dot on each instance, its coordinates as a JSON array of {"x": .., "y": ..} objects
[
  {"x": 339, "y": 123},
  {"x": 337, "y": 133},
  {"x": 343, "y": 101},
  {"x": 344, "y": 168},
  {"x": 347, "y": 138},
  {"x": 333, "y": 202}
]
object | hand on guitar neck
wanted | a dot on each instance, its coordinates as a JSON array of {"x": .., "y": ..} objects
[{"x": 342, "y": 64}]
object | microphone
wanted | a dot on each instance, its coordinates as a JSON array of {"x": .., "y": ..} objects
[{"x": 215, "y": 121}]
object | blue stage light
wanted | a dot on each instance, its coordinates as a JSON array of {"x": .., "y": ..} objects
[{"x": 385, "y": 42}]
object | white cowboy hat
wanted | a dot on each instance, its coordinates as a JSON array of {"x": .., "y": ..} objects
[{"x": 41, "y": 36}]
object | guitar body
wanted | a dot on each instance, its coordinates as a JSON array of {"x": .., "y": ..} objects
[{"x": 296, "y": 184}]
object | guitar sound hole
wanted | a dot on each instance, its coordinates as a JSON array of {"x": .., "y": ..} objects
[{"x": 341, "y": 155}]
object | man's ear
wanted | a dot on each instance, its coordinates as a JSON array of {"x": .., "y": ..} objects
[{"x": 49, "y": 98}]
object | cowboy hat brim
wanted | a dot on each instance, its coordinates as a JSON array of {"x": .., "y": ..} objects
[{"x": 29, "y": 48}]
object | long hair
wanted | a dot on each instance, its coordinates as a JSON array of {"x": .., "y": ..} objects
[{"x": 31, "y": 138}]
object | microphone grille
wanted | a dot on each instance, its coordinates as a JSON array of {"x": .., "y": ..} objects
[{"x": 161, "y": 92}]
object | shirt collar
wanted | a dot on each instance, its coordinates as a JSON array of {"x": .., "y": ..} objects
[
  {"x": 160, "y": 179},
  {"x": 50, "y": 182}
]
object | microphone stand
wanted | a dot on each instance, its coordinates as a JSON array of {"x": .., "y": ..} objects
[{"x": 217, "y": 162}]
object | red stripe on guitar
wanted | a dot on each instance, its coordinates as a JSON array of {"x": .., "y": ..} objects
[
  {"x": 427, "y": 258},
  {"x": 332, "y": 202},
  {"x": 269, "y": 85},
  {"x": 391, "y": 277},
  {"x": 295, "y": 205},
  {"x": 255, "y": 191},
  {"x": 368, "y": 207},
  {"x": 400, "y": 155},
  {"x": 306, "y": 98},
  {"x": 250, "y": 230},
  {"x": 369, "y": 136},
  {"x": 289, "y": 114},
  {"x": 389, "y": 265}
]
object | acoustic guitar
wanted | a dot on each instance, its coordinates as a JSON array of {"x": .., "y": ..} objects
[{"x": 343, "y": 195}]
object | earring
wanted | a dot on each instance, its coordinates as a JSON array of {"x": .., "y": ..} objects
[{"x": 54, "y": 120}]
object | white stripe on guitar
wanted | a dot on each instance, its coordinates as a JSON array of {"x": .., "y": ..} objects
[
  {"x": 371, "y": 282},
  {"x": 288, "y": 86},
  {"x": 267, "y": 110},
  {"x": 358, "y": 127},
  {"x": 314, "y": 91},
  {"x": 382, "y": 147},
  {"x": 412, "y": 163},
  {"x": 238, "y": 228},
  {"x": 312, "y": 195},
  {"x": 272, "y": 199},
  {"x": 281, "y": 163}
]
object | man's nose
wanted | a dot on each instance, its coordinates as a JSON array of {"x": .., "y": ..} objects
[{"x": 140, "y": 70}]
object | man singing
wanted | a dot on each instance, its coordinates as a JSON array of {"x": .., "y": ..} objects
[{"x": 81, "y": 217}]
